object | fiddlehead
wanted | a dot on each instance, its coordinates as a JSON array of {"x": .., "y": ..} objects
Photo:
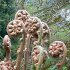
[
  {"x": 14, "y": 28},
  {"x": 39, "y": 55},
  {"x": 7, "y": 64},
  {"x": 58, "y": 49},
  {"x": 33, "y": 25},
  {"x": 46, "y": 34},
  {"x": 7, "y": 46},
  {"x": 22, "y": 15}
]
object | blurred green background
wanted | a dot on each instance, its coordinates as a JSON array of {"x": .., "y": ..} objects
[{"x": 56, "y": 13}]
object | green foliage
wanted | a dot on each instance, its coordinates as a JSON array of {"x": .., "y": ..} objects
[
  {"x": 15, "y": 44},
  {"x": 64, "y": 68},
  {"x": 60, "y": 33},
  {"x": 6, "y": 14},
  {"x": 2, "y": 53},
  {"x": 14, "y": 51}
]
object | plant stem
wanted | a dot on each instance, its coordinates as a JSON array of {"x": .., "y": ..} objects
[
  {"x": 20, "y": 53},
  {"x": 8, "y": 53},
  {"x": 40, "y": 35},
  {"x": 27, "y": 52}
]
